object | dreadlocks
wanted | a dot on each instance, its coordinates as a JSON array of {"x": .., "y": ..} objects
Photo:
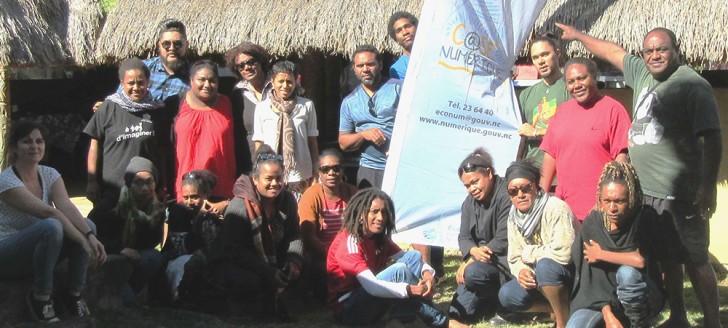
[
  {"x": 357, "y": 210},
  {"x": 624, "y": 174}
]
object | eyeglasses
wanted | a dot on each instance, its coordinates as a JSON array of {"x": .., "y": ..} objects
[
  {"x": 265, "y": 157},
  {"x": 469, "y": 168},
  {"x": 327, "y": 168},
  {"x": 648, "y": 52},
  {"x": 372, "y": 110},
  {"x": 242, "y": 64},
  {"x": 513, "y": 192},
  {"x": 167, "y": 45}
]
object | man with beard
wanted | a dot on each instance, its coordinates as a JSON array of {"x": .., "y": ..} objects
[
  {"x": 675, "y": 146},
  {"x": 170, "y": 70},
  {"x": 367, "y": 116},
  {"x": 539, "y": 101},
  {"x": 402, "y": 29}
]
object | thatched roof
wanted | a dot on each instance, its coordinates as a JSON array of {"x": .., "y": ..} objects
[
  {"x": 296, "y": 26},
  {"x": 48, "y": 32}
]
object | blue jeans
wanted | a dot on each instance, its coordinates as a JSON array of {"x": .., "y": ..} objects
[
  {"x": 133, "y": 276},
  {"x": 35, "y": 251},
  {"x": 361, "y": 308},
  {"x": 632, "y": 286},
  {"x": 548, "y": 273},
  {"x": 478, "y": 296}
]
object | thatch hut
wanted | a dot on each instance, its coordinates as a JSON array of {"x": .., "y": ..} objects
[{"x": 43, "y": 33}]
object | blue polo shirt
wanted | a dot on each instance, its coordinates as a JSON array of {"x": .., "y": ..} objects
[{"x": 360, "y": 112}]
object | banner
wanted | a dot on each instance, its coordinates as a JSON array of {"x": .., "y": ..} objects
[{"x": 457, "y": 96}]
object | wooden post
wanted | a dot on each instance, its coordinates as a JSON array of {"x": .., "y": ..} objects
[{"x": 5, "y": 110}]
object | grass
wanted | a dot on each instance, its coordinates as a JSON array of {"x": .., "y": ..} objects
[{"x": 311, "y": 315}]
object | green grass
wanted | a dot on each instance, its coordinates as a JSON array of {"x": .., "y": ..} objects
[{"x": 311, "y": 315}]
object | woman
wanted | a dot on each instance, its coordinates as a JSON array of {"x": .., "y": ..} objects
[
  {"x": 132, "y": 230},
  {"x": 483, "y": 241},
  {"x": 127, "y": 124},
  {"x": 362, "y": 288},
  {"x": 585, "y": 133},
  {"x": 614, "y": 256},
  {"x": 250, "y": 63},
  {"x": 259, "y": 250},
  {"x": 540, "y": 234},
  {"x": 287, "y": 122},
  {"x": 204, "y": 134},
  {"x": 320, "y": 211},
  {"x": 191, "y": 225},
  {"x": 33, "y": 232}
]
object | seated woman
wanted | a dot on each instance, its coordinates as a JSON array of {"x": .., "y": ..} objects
[
  {"x": 483, "y": 241},
  {"x": 288, "y": 123},
  {"x": 540, "y": 233},
  {"x": 132, "y": 230},
  {"x": 362, "y": 288},
  {"x": 191, "y": 225},
  {"x": 320, "y": 211},
  {"x": 33, "y": 232},
  {"x": 259, "y": 250},
  {"x": 615, "y": 277}
]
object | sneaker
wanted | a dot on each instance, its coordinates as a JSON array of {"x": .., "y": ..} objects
[
  {"x": 76, "y": 306},
  {"x": 41, "y": 311}
]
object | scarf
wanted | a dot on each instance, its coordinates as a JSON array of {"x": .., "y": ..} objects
[
  {"x": 127, "y": 208},
  {"x": 285, "y": 136},
  {"x": 122, "y": 99},
  {"x": 262, "y": 234},
  {"x": 529, "y": 222}
]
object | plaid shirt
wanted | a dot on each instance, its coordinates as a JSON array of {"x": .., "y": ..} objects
[{"x": 163, "y": 85}]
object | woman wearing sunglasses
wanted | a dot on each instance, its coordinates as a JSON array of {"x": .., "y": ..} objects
[
  {"x": 483, "y": 241},
  {"x": 541, "y": 230},
  {"x": 250, "y": 63},
  {"x": 320, "y": 211}
]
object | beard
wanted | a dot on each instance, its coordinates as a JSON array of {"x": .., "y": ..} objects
[{"x": 175, "y": 65}]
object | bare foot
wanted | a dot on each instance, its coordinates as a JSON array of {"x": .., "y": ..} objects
[{"x": 457, "y": 324}]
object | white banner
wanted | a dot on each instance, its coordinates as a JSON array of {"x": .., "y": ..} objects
[{"x": 457, "y": 96}]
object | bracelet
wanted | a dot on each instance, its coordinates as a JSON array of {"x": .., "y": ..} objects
[{"x": 89, "y": 233}]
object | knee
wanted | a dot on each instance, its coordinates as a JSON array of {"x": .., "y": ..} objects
[
  {"x": 513, "y": 297},
  {"x": 627, "y": 275},
  {"x": 52, "y": 230},
  {"x": 480, "y": 273},
  {"x": 550, "y": 273}
]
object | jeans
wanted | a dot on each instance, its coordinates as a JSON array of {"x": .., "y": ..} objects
[
  {"x": 133, "y": 276},
  {"x": 548, "y": 273},
  {"x": 35, "y": 251},
  {"x": 361, "y": 308},
  {"x": 478, "y": 296},
  {"x": 632, "y": 286}
]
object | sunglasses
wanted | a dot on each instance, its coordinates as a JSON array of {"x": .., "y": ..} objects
[
  {"x": 167, "y": 45},
  {"x": 264, "y": 157},
  {"x": 327, "y": 168},
  {"x": 470, "y": 168},
  {"x": 242, "y": 64},
  {"x": 527, "y": 188}
]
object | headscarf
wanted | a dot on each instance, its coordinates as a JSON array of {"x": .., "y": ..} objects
[{"x": 528, "y": 223}]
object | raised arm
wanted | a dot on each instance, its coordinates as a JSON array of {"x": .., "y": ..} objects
[{"x": 606, "y": 50}]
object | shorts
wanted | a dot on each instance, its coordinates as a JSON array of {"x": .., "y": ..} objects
[{"x": 682, "y": 221}]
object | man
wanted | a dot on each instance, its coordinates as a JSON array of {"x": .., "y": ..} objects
[
  {"x": 169, "y": 70},
  {"x": 675, "y": 145},
  {"x": 402, "y": 28},
  {"x": 539, "y": 101},
  {"x": 367, "y": 116}
]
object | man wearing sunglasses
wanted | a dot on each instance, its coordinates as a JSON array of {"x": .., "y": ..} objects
[
  {"x": 367, "y": 116},
  {"x": 170, "y": 70},
  {"x": 675, "y": 146}
]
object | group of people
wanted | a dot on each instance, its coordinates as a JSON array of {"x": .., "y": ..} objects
[{"x": 229, "y": 197}]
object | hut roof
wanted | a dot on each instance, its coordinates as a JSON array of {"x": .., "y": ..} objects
[
  {"x": 48, "y": 32},
  {"x": 296, "y": 26}
]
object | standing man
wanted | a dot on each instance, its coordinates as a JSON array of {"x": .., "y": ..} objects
[
  {"x": 170, "y": 70},
  {"x": 675, "y": 146},
  {"x": 402, "y": 29},
  {"x": 367, "y": 116},
  {"x": 539, "y": 101}
]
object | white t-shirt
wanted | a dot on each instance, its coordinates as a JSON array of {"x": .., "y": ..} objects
[
  {"x": 13, "y": 220},
  {"x": 304, "y": 126}
]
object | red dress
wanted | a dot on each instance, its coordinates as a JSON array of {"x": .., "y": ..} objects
[{"x": 204, "y": 140}]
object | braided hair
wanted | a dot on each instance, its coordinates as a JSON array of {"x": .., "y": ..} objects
[
  {"x": 357, "y": 210},
  {"x": 624, "y": 174}
]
